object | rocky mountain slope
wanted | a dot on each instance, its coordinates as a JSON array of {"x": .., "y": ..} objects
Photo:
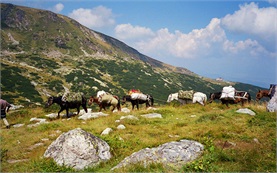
[{"x": 42, "y": 53}]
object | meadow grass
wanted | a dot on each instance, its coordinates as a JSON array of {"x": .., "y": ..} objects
[{"x": 233, "y": 142}]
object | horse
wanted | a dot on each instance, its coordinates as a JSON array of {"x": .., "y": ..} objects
[
  {"x": 103, "y": 103},
  {"x": 67, "y": 105},
  {"x": 198, "y": 97},
  {"x": 138, "y": 101},
  {"x": 214, "y": 96},
  {"x": 262, "y": 93},
  {"x": 240, "y": 96}
]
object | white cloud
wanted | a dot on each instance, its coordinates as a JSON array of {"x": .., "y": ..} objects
[
  {"x": 97, "y": 17},
  {"x": 250, "y": 19},
  {"x": 210, "y": 41},
  {"x": 251, "y": 46},
  {"x": 194, "y": 44},
  {"x": 58, "y": 7},
  {"x": 127, "y": 31}
]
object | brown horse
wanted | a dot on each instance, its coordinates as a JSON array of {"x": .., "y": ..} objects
[
  {"x": 114, "y": 101},
  {"x": 262, "y": 93}
]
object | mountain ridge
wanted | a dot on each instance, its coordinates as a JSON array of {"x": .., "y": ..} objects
[{"x": 46, "y": 52}]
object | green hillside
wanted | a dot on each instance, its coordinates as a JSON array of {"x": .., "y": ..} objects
[{"x": 43, "y": 52}]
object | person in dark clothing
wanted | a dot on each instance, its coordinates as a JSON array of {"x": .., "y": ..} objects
[{"x": 5, "y": 106}]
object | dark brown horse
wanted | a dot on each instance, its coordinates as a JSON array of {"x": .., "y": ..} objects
[
  {"x": 262, "y": 93},
  {"x": 214, "y": 96},
  {"x": 103, "y": 104},
  {"x": 67, "y": 105}
]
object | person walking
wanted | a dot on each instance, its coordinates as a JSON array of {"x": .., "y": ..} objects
[{"x": 5, "y": 106}]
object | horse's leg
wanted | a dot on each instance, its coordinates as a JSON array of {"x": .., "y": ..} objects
[
  {"x": 67, "y": 112},
  {"x": 62, "y": 108},
  {"x": 85, "y": 107},
  {"x": 78, "y": 110},
  {"x": 118, "y": 105},
  {"x": 100, "y": 106},
  {"x": 133, "y": 106},
  {"x": 137, "y": 102},
  {"x": 113, "y": 107}
]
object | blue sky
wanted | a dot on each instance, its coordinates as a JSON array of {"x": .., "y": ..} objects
[{"x": 235, "y": 40}]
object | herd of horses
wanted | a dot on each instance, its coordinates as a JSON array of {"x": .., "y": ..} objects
[
  {"x": 201, "y": 98},
  {"x": 102, "y": 104}
]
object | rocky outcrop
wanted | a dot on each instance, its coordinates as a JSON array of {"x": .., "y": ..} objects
[
  {"x": 272, "y": 104},
  {"x": 174, "y": 154},
  {"x": 78, "y": 149}
]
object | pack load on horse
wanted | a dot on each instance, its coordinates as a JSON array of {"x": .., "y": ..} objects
[
  {"x": 68, "y": 101},
  {"x": 228, "y": 93},
  {"x": 185, "y": 94},
  {"x": 101, "y": 93},
  {"x": 136, "y": 97},
  {"x": 188, "y": 97},
  {"x": 105, "y": 99},
  {"x": 136, "y": 94}
]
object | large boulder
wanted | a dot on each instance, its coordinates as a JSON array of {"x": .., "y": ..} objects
[
  {"x": 78, "y": 149},
  {"x": 174, "y": 154}
]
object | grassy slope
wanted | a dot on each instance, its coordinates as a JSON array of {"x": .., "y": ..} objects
[{"x": 211, "y": 125}]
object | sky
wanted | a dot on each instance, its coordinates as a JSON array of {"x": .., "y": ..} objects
[{"x": 235, "y": 40}]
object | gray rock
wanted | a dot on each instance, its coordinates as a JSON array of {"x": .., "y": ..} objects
[
  {"x": 125, "y": 110},
  {"x": 131, "y": 117},
  {"x": 174, "y": 154},
  {"x": 107, "y": 131},
  {"x": 153, "y": 115},
  {"x": 246, "y": 111},
  {"x": 78, "y": 149},
  {"x": 18, "y": 125},
  {"x": 121, "y": 127},
  {"x": 91, "y": 115}
]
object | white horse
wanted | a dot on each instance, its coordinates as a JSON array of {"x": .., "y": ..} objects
[{"x": 197, "y": 97}]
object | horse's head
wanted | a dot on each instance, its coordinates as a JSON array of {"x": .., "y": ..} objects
[
  {"x": 169, "y": 99},
  {"x": 172, "y": 97},
  {"x": 91, "y": 100},
  {"x": 259, "y": 95},
  {"x": 49, "y": 102},
  {"x": 211, "y": 97},
  {"x": 124, "y": 99}
]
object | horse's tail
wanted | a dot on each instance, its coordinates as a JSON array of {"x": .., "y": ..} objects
[
  {"x": 205, "y": 99},
  {"x": 84, "y": 100},
  {"x": 118, "y": 104},
  {"x": 249, "y": 98},
  {"x": 151, "y": 100},
  {"x": 211, "y": 97},
  {"x": 84, "y": 103}
]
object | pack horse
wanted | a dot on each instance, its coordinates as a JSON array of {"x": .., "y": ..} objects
[
  {"x": 138, "y": 98},
  {"x": 76, "y": 100},
  {"x": 188, "y": 97}
]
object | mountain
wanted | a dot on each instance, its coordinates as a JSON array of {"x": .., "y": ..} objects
[{"x": 42, "y": 53}]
